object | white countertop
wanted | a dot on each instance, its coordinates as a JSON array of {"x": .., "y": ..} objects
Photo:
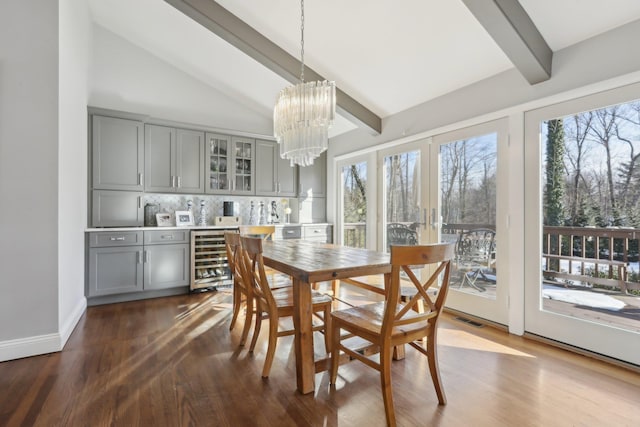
[{"x": 190, "y": 227}]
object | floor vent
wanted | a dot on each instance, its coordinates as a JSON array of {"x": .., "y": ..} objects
[{"x": 471, "y": 322}]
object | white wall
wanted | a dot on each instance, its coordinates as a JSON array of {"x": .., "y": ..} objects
[
  {"x": 28, "y": 175},
  {"x": 75, "y": 40},
  {"x": 128, "y": 78}
]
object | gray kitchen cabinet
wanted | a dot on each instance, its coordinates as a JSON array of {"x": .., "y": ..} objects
[
  {"x": 166, "y": 266},
  {"x": 118, "y": 153},
  {"x": 174, "y": 160},
  {"x": 135, "y": 261},
  {"x": 317, "y": 232},
  {"x": 288, "y": 231},
  {"x": 115, "y": 263},
  {"x": 116, "y": 208},
  {"x": 274, "y": 176},
  {"x": 230, "y": 163},
  {"x": 312, "y": 181}
]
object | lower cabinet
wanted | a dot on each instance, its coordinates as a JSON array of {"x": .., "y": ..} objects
[
  {"x": 317, "y": 232},
  {"x": 136, "y": 261},
  {"x": 314, "y": 232},
  {"x": 115, "y": 270},
  {"x": 166, "y": 266}
]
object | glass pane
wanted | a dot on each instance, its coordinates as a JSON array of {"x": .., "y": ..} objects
[
  {"x": 402, "y": 192},
  {"x": 591, "y": 216},
  {"x": 354, "y": 205},
  {"x": 468, "y": 212}
]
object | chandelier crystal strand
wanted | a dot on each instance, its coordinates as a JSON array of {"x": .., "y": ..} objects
[{"x": 303, "y": 114}]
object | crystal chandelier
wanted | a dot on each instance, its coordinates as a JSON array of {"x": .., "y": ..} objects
[{"x": 303, "y": 114}]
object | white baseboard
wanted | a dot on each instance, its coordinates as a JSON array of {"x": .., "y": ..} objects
[
  {"x": 71, "y": 321},
  {"x": 42, "y": 344},
  {"x": 31, "y": 346}
]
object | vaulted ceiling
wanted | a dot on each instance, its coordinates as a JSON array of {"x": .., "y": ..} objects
[{"x": 386, "y": 55}]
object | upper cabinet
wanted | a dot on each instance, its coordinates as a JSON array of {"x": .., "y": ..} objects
[
  {"x": 274, "y": 176},
  {"x": 230, "y": 164},
  {"x": 118, "y": 154},
  {"x": 174, "y": 160},
  {"x": 313, "y": 179}
]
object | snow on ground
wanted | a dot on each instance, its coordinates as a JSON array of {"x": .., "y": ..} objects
[{"x": 584, "y": 298}]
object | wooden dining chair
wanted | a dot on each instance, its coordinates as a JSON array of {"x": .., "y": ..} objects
[
  {"x": 276, "y": 304},
  {"x": 231, "y": 244},
  {"x": 392, "y": 323},
  {"x": 242, "y": 291}
]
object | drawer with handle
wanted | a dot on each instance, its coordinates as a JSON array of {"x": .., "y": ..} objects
[
  {"x": 315, "y": 231},
  {"x": 288, "y": 232},
  {"x": 159, "y": 237},
  {"x": 102, "y": 239}
]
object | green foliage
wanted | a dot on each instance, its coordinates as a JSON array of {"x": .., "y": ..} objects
[{"x": 554, "y": 194}]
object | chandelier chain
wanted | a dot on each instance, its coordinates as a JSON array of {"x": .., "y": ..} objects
[{"x": 302, "y": 41}]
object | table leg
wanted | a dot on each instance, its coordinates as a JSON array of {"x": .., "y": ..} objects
[{"x": 303, "y": 343}]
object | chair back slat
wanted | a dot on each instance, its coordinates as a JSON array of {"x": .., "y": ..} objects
[
  {"x": 402, "y": 258},
  {"x": 234, "y": 258},
  {"x": 254, "y": 269}
]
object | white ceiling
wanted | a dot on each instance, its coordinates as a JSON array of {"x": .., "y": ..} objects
[{"x": 388, "y": 55}]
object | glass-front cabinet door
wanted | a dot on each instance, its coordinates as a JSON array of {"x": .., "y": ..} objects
[
  {"x": 231, "y": 164},
  {"x": 244, "y": 165}
]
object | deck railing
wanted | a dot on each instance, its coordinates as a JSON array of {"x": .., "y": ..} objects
[
  {"x": 600, "y": 256},
  {"x": 355, "y": 235},
  {"x": 576, "y": 255}
]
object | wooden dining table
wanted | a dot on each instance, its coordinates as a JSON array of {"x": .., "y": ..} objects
[{"x": 310, "y": 262}]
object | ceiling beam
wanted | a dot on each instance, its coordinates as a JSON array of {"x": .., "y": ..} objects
[
  {"x": 242, "y": 36},
  {"x": 516, "y": 34}
]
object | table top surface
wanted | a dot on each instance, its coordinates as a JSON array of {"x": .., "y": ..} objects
[{"x": 311, "y": 261}]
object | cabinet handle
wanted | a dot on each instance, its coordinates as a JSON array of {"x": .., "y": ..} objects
[
  {"x": 167, "y": 236},
  {"x": 179, "y": 182},
  {"x": 146, "y": 256},
  {"x": 316, "y": 231},
  {"x": 120, "y": 238},
  {"x": 138, "y": 258},
  {"x": 139, "y": 178},
  {"x": 289, "y": 231},
  {"x": 139, "y": 202}
]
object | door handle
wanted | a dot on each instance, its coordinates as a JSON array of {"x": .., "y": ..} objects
[{"x": 434, "y": 222}]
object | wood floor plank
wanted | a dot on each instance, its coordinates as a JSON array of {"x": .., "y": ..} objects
[{"x": 173, "y": 361}]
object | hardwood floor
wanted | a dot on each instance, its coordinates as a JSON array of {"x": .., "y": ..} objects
[{"x": 172, "y": 362}]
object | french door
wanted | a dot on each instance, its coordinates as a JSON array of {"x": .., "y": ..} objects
[
  {"x": 438, "y": 189},
  {"x": 466, "y": 206},
  {"x": 356, "y": 202},
  {"x": 404, "y": 194},
  {"x": 582, "y": 215}
]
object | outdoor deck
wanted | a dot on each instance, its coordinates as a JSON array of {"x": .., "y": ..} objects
[{"x": 601, "y": 262}]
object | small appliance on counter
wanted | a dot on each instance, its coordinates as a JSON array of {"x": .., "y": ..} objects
[
  {"x": 229, "y": 209},
  {"x": 150, "y": 211},
  {"x": 230, "y": 215}
]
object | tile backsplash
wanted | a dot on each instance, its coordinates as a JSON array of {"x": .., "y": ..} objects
[{"x": 213, "y": 206}]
